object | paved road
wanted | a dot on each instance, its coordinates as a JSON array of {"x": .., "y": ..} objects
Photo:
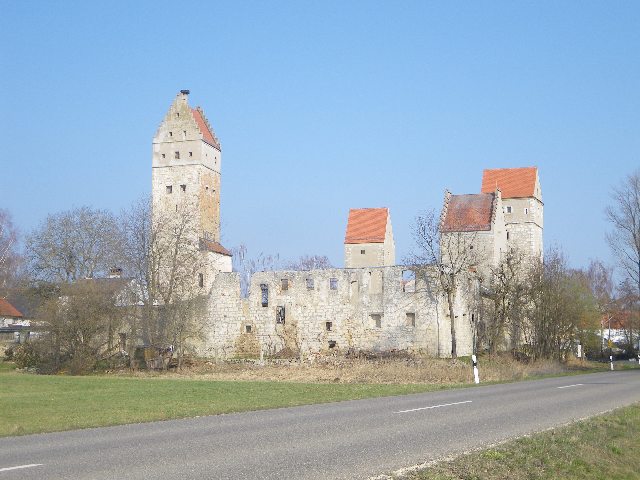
[{"x": 353, "y": 439}]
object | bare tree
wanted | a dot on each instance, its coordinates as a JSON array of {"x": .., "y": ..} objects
[
  {"x": 452, "y": 255},
  {"x": 72, "y": 245},
  {"x": 624, "y": 216},
  {"x": 600, "y": 280},
  {"x": 309, "y": 262},
  {"x": 9, "y": 257},
  {"x": 247, "y": 266},
  {"x": 162, "y": 253},
  {"x": 506, "y": 291}
]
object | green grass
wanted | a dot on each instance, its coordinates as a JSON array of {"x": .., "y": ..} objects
[
  {"x": 45, "y": 403},
  {"x": 600, "y": 448}
]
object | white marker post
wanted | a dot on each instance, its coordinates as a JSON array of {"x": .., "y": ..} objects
[
  {"x": 639, "y": 359},
  {"x": 611, "y": 361},
  {"x": 474, "y": 360}
]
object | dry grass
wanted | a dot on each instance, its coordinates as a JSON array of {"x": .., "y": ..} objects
[{"x": 405, "y": 370}]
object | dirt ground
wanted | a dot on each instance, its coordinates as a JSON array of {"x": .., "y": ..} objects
[{"x": 359, "y": 370}]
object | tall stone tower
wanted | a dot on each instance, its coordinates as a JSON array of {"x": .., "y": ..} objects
[
  {"x": 186, "y": 175},
  {"x": 523, "y": 207}
]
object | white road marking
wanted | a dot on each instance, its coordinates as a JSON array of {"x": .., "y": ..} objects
[
  {"x": 6, "y": 469},
  {"x": 574, "y": 385},
  {"x": 433, "y": 406}
]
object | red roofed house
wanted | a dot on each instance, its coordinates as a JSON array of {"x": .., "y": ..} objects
[
  {"x": 186, "y": 175},
  {"x": 475, "y": 223},
  {"x": 9, "y": 315},
  {"x": 368, "y": 241},
  {"x": 523, "y": 207}
]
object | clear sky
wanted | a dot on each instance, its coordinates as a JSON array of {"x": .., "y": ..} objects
[{"x": 324, "y": 106}]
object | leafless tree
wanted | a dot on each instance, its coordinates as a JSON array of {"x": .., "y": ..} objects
[
  {"x": 246, "y": 266},
  {"x": 624, "y": 216},
  {"x": 9, "y": 256},
  {"x": 162, "y": 254},
  {"x": 600, "y": 279},
  {"x": 453, "y": 256},
  {"x": 506, "y": 291},
  {"x": 72, "y": 245},
  {"x": 309, "y": 262}
]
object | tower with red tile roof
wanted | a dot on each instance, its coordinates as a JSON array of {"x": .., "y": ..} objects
[
  {"x": 523, "y": 206},
  {"x": 368, "y": 240},
  {"x": 186, "y": 171}
]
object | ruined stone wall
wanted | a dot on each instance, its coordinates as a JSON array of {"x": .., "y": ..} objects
[{"x": 321, "y": 311}]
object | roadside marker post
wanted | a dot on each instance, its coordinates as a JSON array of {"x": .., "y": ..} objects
[
  {"x": 474, "y": 360},
  {"x": 611, "y": 361}
]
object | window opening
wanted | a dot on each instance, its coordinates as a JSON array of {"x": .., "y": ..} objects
[
  {"x": 183, "y": 188},
  {"x": 333, "y": 283},
  {"x": 285, "y": 284},
  {"x": 201, "y": 280},
  {"x": 191, "y": 154},
  {"x": 411, "y": 319},
  {"x": 328, "y": 326},
  {"x": 164, "y": 156},
  {"x": 509, "y": 209},
  {"x": 408, "y": 281},
  {"x": 247, "y": 328},
  {"x": 526, "y": 211},
  {"x": 176, "y": 155},
  {"x": 309, "y": 283},
  {"x": 332, "y": 344},
  {"x": 169, "y": 188},
  {"x": 507, "y": 235},
  {"x": 361, "y": 252},
  {"x": 171, "y": 134},
  {"x": 280, "y": 314},
  {"x": 376, "y": 319},
  {"x": 264, "y": 292}
]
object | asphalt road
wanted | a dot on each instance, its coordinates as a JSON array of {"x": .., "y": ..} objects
[{"x": 354, "y": 439}]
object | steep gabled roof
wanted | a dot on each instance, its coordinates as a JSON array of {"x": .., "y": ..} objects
[
  {"x": 204, "y": 127},
  {"x": 366, "y": 225},
  {"x": 8, "y": 310},
  {"x": 468, "y": 213},
  {"x": 512, "y": 182},
  {"x": 211, "y": 246}
]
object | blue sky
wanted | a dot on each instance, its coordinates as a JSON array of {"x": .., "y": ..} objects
[{"x": 324, "y": 106}]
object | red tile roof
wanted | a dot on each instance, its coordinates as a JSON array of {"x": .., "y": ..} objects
[
  {"x": 366, "y": 225},
  {"x": 215, "y": 247},
  {"x": 8, "y": 310},
  {"x": 205, "y": 128},
  {"x": 468, "y": 213},
  {"x": 512, "y": 182}
]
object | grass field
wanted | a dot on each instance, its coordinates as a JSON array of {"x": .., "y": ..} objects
[
  {"x": 600, "y": 448},
  {"x": 43, "y": 403}
]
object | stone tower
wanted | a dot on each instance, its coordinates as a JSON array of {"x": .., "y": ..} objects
[
  {"x": 523, "y": 207},
  {"x": 186, "y": 175},
  {"x": 368, "y": 241}
]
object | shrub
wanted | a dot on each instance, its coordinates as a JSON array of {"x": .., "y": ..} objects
[{"x": 26, "y": 355}]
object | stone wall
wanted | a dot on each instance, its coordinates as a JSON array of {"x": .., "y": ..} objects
[{"x": 322, "y": 311}]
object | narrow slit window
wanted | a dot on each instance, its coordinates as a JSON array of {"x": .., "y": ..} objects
[
  {"x": 191, "y": 154},
  {"x": 201, "y": 280},
  {"x": 264, "y": 294},
  {"x": 171, "y": 134},
  {"x": 328, "y": 326},
  {"x": 280, "y": 315}
]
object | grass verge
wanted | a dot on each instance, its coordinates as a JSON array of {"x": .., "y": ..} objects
[
  {"x": 44, "y": 403},
  {"x": 600, "y": 448}
]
